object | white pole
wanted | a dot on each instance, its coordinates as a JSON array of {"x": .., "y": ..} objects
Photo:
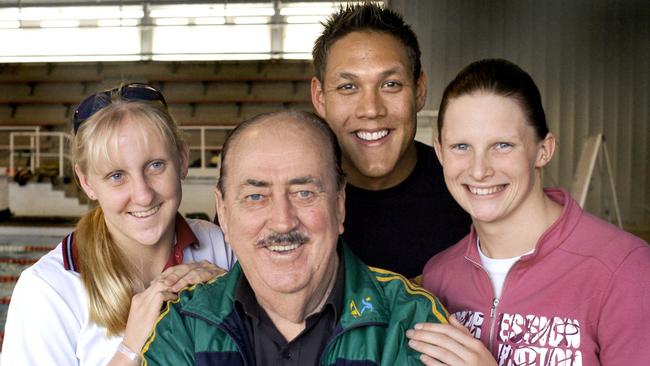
[
  {"x": 12, "y": 172},
  {"x": 61, "y": 156},
  {"x": 203, "y": 148}
]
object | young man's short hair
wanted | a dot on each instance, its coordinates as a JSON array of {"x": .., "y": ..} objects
[{"x": 367, "y": 17}]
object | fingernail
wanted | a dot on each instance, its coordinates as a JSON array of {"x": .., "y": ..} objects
[
  {"x": 409, "y": 333},
  {"x": 418, "y": 326}
]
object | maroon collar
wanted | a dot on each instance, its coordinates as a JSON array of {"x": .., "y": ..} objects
[{"x": 184, "y": 238}]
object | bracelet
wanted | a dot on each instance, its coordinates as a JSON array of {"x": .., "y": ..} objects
[{"x": 126, "y": 351}]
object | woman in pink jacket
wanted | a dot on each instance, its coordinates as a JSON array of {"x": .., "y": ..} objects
[{"x": 537, "y": 281}]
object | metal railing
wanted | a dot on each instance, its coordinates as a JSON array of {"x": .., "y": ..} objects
[
  {"x": 37, "y": 151},
  {"x": 5, "y": 146}
]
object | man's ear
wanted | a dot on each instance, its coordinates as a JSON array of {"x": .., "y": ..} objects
[
  {"x": 340, "y": 207},
  {"x": 545, "y": 150},
  {"x": 318, "y": 96},
  {"x": 83, "y": 181},
  {"x": 421, "y": 91},
  {"x": 221, "y": 213}
]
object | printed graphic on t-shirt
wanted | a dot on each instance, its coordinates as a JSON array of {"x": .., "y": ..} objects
[
  {"x": 472, "y": 320},
  {"x": 530, "y": 339}
]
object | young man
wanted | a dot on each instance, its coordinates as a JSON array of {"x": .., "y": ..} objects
[{"x": 369, "y": 87}]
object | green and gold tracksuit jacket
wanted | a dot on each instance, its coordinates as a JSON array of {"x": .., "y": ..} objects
[{"x": 202, "y": 327}]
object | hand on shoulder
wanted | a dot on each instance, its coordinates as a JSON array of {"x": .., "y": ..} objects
[{"x": 145, "y": 306}]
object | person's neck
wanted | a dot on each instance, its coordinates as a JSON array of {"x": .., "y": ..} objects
[
  {"x": 518, "y": 233},
  {"x": 403, "y": 168},
  {"x": 289, "y": 311},
  {"x": 149, "y": 260}
]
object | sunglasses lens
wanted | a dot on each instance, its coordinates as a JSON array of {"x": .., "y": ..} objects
[
  {"x": 95, "y": 102},
  {"x": 141, "y": 92},
  {"x": 90, "y": 106}
]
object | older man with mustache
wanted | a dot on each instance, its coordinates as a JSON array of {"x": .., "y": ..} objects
[{"x": 298, "y": 296}]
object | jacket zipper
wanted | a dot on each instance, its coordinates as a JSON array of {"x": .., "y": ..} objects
[
  {"x": 496, "y": 300},
  {"x": 493, "y": 313}
]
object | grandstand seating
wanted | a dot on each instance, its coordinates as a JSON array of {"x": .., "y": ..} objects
[{"x": 199, "y": 93}]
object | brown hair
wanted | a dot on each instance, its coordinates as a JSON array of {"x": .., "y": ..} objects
[{"x": 502, "y": 78}]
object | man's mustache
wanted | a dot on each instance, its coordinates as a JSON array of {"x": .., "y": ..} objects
[{"x": 291, "y": 237}]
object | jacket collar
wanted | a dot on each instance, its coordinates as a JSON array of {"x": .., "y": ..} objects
[
  {"x": 363, "y": 300},
  {"x": 552, "y": 238}
]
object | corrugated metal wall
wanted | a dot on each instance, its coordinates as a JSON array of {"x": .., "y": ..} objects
[{"x": 590, "y": 61}]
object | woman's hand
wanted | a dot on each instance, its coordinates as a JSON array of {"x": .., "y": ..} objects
[
  {"x": 448, "y": 344},
  {"x": 182, "y": 275},
  {"x": 145, "y": 309},
  {"x": 146, "y": 305}
]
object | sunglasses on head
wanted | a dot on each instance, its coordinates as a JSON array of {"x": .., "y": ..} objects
[{"x": 132, "y": 92}]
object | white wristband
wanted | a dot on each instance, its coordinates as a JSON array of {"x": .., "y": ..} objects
[{"x": 126, "y": 351}]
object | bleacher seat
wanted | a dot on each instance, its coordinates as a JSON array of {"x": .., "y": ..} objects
[{"x": 198, "y": 93}]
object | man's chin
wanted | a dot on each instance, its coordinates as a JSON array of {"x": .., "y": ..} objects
[{"x": 286, "y": 285}]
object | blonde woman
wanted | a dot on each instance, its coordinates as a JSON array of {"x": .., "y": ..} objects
[{"x": 94, "y": 298}]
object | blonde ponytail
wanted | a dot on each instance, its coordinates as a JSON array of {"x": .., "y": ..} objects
[{"x": 105, "y": 272}]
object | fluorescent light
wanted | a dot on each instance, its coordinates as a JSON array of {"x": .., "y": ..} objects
[
  {"x": 6, "y": 24},
  {"x": 19, "y": 59},
  {"x": 210, "y": 57},
  {"x": 210, "y": 21},
  {"x": 9, "y": 14},
  {"x": 76, "y": 12},
  {"x": 249, "y": 11},
  {"x": 251, "y": 20},
  {"x": 59, "y": 24},
  {"x": 174, "y": 11},
  {"x": 305, "y": 19},
  {"x": 117, "y": 22},
  {"x": 171, "y": 21},
  {"x": 326, "y": 10},
  {"x": 189, "y": 11}
]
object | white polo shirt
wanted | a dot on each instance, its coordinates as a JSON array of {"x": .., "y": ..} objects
[{"x": 48, "y": 320}]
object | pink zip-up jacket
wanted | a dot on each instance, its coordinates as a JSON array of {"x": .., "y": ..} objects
[{"x": 581, "y": 298}]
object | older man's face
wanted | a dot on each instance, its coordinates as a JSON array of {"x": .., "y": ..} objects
[{"x": 282, "y": 212}]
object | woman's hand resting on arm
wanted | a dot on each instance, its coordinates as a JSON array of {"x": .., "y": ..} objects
[
  {"x": 448, "y": 344},
  {"x": 146, "y": 305}
]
